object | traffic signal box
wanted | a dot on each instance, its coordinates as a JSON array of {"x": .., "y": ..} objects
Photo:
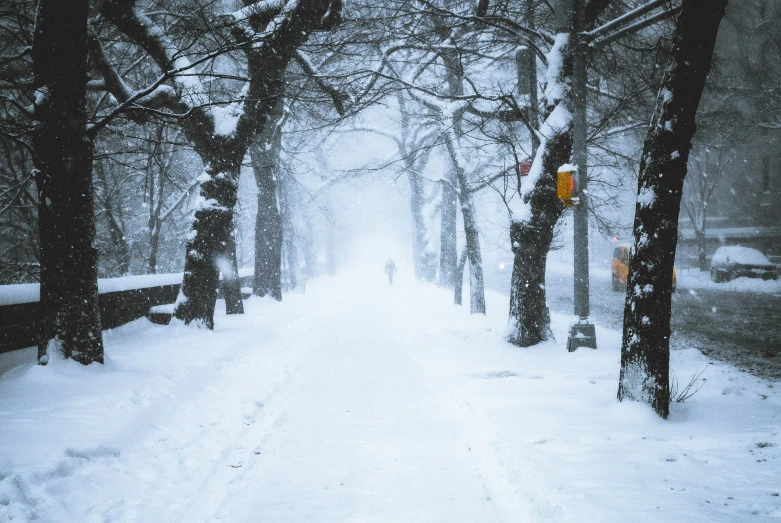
[{"x": 566, "y": 186}]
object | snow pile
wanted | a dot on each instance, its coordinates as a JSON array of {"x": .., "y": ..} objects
[
  {"x": 695, "y": 279},
  {"x": 737, "y": 254},
  {"x": 30, "y": 292},
  {"x": 360, "y": 401}
]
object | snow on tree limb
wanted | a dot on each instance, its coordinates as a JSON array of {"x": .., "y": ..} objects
[
  {"x": 337, "y": 96},
  {"x": 132, "y": 21},
  {"x": 263, "y": 8},
  {"x": 558, "y": 121}
]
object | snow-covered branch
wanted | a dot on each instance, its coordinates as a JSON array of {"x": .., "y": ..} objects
[
  {"x": 559, "y": 119},
  {"x": 337, "y": 96},
  {"x": 637, "y": 26}
]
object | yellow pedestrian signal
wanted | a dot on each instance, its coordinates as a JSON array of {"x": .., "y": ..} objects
[{"x": 566, "y": 186}]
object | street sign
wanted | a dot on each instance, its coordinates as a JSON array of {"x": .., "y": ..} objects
[{"x": 524, "y": 167}]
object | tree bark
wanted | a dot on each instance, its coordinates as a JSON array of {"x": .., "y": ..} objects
[
  {"x": 531, "y": 236},
  {"x": 268, "y": 224},
  {"x": 120, "y": 247},
  {"x": 529, "y": 318},
  {"x": 645, "y": 347},
  {"x": 447, "y": 239},
  {"x": 331, "y": 245},
  {"x": 70, "y": 319},
  {"x": 702, "y": 261},
  {"x": 424, "y": 260},
  {"x": 531, "y": 240},
  {"x": 211, "y": 227},
  {"x": 455, "y": 79},
  {"x": 476, "y": 287},
  {"x": 308, "y": 248},
  {"x": 231, "y": 285},
  {"x": 289, "y": 234},
  {"x": 156, "y": 195},
  {"x": 459, "y": 288}
]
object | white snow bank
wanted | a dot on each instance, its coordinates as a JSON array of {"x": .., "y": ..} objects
[
  {"x": 19, "y": 293},
  {"x": 694, "y": 279},
  {"x": 166, "y": 308},
  {"x": 369, "y": 402},
  {"x": 30, "y": 292},
  {"x": 687, "y": 278}
]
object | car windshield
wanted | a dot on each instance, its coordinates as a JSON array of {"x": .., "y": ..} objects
[
  {"x": 742, "y": 255},
  {"x": 622, "y": 254}
]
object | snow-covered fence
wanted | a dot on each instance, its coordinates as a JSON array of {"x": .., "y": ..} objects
[{"x": 121, "y": 300}]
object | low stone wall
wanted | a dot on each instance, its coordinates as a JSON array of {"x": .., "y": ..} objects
[{"x": 19, "y": 321}]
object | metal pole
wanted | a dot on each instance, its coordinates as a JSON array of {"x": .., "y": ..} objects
[
  {"x": 582, "y": 334},
  {"x": 532, "y": 80}
]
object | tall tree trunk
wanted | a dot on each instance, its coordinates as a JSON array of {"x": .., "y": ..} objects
[
  {"x": 289, "y": 235},
  {"x": 447, "y": 240},
  {"x": 531, "y": 233},
  {"x": 212, "y": 228},
  {"x": 419, "y": 231},
  {"x": 423, "y": 259},
  {"x": 308, "y": 248},
  {"x": 156, "y": 196},
  {"x": 231, "y": 285},
  {"x": 531, "y": 236},
  {"x": 530, "y": 241},
  {"x": 121, "y": 249},
  {"x": 476, "y": 288},
  {"x": 702, "y": 261},
  {"x": 645, "y": 347},
  {"x": 459, "y": 288},
  {"x": 447, "y": 261},
  {"x": 70, "y": 319},
  {"x": 455, "y": 78},
  {"x": 154, "y": 247},
  {"x": 268, "y": 225},
  {"x": 331, "y": 246}
]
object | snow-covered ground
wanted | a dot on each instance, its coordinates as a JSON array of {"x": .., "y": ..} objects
[
  {"x": 688, "y": 278},
  {"x": 695, "y": 279},
  {"x": 31, "y": 292},
  {"x": 360, "y": 402}
]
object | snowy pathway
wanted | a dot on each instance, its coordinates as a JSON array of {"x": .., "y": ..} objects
[
  {"x": 360, "y": 402},
  {"x": 355, "y": 441}
]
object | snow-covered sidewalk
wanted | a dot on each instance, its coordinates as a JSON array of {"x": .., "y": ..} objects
[{"x": 360, "y": 402}]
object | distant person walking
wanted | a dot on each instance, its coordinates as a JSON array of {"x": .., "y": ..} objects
[{"x": 390, "y": 268}]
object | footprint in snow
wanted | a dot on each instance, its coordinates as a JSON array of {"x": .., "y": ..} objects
[{"x": 492, "y": 375}]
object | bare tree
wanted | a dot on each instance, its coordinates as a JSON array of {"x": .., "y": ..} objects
[
  {"x": 708, "y": 164},
  {"x": 70, "y": 320},
  {"x": 268, "y": 35},
  {"x": 265, "y": 153},
  {"x": 645, "y": 347}
]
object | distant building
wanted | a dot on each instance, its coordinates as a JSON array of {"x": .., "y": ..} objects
[{"x": 742, "y": 111}]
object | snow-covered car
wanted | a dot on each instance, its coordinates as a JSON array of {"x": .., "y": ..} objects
[{"x": 733, "y": 261}]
